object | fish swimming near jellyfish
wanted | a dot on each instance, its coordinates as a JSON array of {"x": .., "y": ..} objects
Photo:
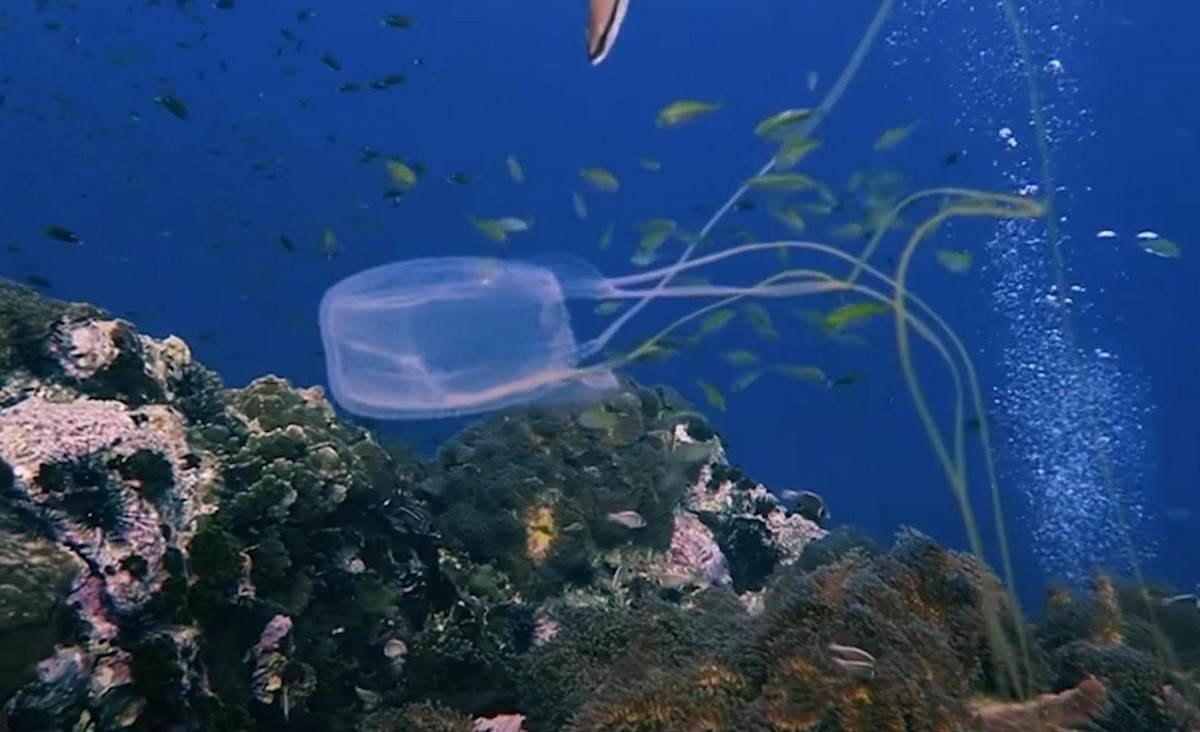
[{"x": 604, "y": 23}]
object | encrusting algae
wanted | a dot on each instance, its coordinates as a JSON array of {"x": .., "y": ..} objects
[{"x": 540, "y": 533}]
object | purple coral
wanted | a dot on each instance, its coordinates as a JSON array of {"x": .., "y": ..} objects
[
  {"x": 273, "y": 633},
  {"x": 269, "y": 663},
  {"x": 56, "y": 698},
  {"x": 37, "y": 436},
  {"x": 85, "y": 471},
  {"x": 694, "y": 557}
]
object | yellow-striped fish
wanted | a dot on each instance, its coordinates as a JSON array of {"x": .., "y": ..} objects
[{"x": 604, "y": 23}]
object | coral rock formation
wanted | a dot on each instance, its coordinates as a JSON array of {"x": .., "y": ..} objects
[{"x": 176, "y": 555}]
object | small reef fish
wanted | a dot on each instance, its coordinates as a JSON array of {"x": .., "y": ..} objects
[
  {"x": 370, "y": 699},
  {"x": 1188, "y": 597},
  {"x": 807, "y": 504},
  {"x": 853, "y": 660},
  {"x": 628, "y": 519},
  {"x": 604, "y": 23}
]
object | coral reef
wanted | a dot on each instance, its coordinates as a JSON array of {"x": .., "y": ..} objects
[
  {"x": 1143, "y": 649},
  {"x": 178, "y": 555},
  {"x": 35, "y": 573},
  {"x": 1073, "y": 709}
]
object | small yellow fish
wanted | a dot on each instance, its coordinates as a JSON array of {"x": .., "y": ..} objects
[
  {"x": 604, "y": 23},
  {"x": 600, "y": 179},
  {"x": 684, "y": 110}
]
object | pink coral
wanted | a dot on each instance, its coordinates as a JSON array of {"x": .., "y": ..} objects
[
  {"x": 37, "y": 432},
  {"x": 694, "y": 555},
  {"x": 68, "y": 661},
  {"x": 124, "y": 558},
  {"x": 501, "y": 723},
  {"x": 544, "y": 630},
  {"x": 85, "y": 349},
  {"x": 87, "y": 596},
  {"x": 273, "y": 634}
]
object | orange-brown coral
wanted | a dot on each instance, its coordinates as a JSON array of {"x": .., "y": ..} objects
[
  {"x": 540, "y": 533},
  {"x": 1141, "y": 648},
  {"x": 1073, "y": 709},
  {"x": 917, "y": 611},
  {"x": 699, "y": 697},
  {"x": 652, "y": 666},
  {"x": 422, "y": 717},
  {"x": 890, "y": 643}
]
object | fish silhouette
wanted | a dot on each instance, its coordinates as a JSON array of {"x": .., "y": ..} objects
[{"x": 604, "y": 23}]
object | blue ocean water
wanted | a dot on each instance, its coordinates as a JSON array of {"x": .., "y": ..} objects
[{"x": 215, "y": 227}]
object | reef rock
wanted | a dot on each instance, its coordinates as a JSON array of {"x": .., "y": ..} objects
[
  {"x": 176, "y": 555},
  {"x": 35, "y": 575}
]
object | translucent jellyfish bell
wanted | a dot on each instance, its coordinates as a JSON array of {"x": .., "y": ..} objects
[{"x": 446, "y": 336}]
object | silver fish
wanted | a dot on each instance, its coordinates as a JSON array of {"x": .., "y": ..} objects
[
  {"x": 370, "y": 699},
  {"x": 853, "y": 660},
  {"x": 628, "y": 519},
  {"x": 604, "y": 23}
]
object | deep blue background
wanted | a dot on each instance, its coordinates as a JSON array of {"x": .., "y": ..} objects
[{"x": 181, "y": 233}]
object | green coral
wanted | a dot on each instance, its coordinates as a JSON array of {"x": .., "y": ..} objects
[
  {"x": 170, "y": 603},
  {"x": 489, "y": 481},
  {"x": 158, "y": 677},
  {"x": 461, "y": 660},
  {"x": 215, "y": 558},
  {"x": 421, "y": 717},
  {"x": 313, "y": 522},
  {"x": 837, "y": 544},
  {"x": 26, "y": 319},
  {"x": 629, "y": 651}
]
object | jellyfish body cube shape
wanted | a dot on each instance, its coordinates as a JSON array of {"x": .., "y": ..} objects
[{"x": 445, "y": 336}]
